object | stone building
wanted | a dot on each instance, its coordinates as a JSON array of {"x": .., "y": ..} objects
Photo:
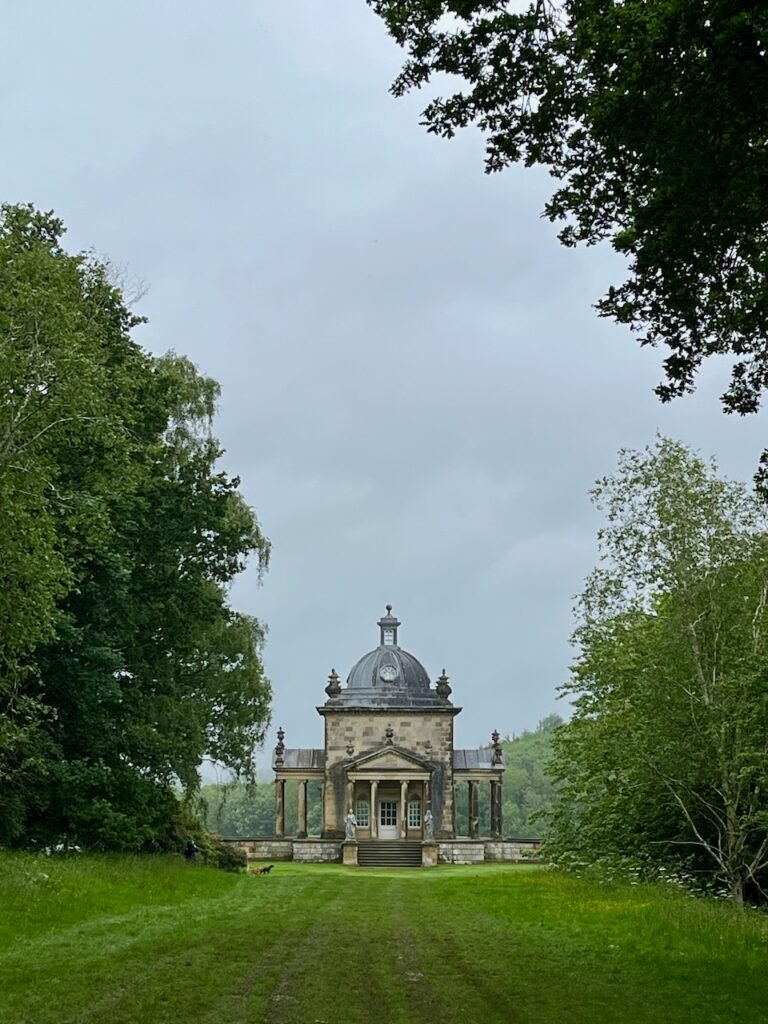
[{"x": 388, "y": 767}]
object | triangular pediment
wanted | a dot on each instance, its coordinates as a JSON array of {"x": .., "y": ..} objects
[{"x": 390, "y": 758}]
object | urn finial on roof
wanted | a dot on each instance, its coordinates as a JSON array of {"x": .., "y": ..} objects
[
  {"x": 333, "y": 689},
  {"x": 497, "y": 751},
  {"x": 280, "y": 748},
  {"x": 443, "y": 687}
]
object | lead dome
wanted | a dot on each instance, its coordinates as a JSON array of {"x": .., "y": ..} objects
[{"x": 388, "y": 676}]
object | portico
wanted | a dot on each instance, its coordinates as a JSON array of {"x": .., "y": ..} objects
[{"x": 388, "y": 791}]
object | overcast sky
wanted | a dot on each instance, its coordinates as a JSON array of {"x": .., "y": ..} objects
[{"x": 416, "y": 391}]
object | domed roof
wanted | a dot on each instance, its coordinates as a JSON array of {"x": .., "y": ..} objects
[{"x": 388, "y": 676}]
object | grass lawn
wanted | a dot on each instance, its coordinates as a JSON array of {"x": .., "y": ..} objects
[{"x": 112, "y": 940}]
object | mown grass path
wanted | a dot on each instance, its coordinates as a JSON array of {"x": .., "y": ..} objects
[{"x": 154, "y": 941}]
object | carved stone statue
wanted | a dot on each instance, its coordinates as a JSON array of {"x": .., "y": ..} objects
[
  {"x": 350, "y": 826},
  {"x": 429, "y": 827}
]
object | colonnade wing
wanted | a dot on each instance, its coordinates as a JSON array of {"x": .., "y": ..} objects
[
  {"x": 485, "y": 764},
  {"x": 303, "y": 764}
]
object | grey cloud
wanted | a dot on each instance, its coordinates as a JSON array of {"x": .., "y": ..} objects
[{"x": 417, "y": 393}]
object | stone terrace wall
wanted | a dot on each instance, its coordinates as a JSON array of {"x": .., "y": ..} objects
[
  {"x": 306, "y": 850},
  {"x": 264, "y": 849},
  {"x": 453, "y": 851},
  {"x": 316, "y": 851},
  {"x": 513, "y": 849},
  {"x": 476, "y": 851},
  {"x": 461, "y": 853}
]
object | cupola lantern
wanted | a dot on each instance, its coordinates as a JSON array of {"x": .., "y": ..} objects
[{"x": 388, "y": 625}]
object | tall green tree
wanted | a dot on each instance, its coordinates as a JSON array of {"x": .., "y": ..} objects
[
  {"x": 650, "y": 115},
  {"x": 666, "y": 757},
  {"x": 529, "y": 789},
  {"x": 121, "y": 662}
]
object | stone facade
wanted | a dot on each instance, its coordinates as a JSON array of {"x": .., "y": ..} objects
[{"x": 351, "y": 734}]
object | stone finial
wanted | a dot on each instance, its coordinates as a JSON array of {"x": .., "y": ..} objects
[
  {"x": 443, "y": 687},
  {"x": 497, "y": 751},
  {"x": 389, "y": 736},
  {"x": 333, "y": 689},
  {"x": 280, "y": 748}
]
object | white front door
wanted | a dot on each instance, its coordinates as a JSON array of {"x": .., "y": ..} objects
[{"x": 388, "y": 827}]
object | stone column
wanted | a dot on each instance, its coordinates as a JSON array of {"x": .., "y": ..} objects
[
  {"x": 403, "y": 810},
  {"x": 472, "y": 809},
  {"x": 372, "y": 811},
  {"x": 302, "y": 832},
  {"x": 350, "y": 798},
  {"x": 331, "y": 823},
  {"x": 280, "y": 807},
  {"x": 496, "y": 808}
]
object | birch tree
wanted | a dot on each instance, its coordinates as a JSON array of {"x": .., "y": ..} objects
[{"x": 666, "y": 757}]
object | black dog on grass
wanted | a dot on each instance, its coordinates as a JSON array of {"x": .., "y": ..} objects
[{"x": 265, "y": 871}]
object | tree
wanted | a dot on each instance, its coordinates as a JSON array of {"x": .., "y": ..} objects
[
  {"x": 121, "y": 662},
  {"x": 650, "y": 114},
  {"x": 666, "y": 757},
  {"x": 529, "y": 788}
]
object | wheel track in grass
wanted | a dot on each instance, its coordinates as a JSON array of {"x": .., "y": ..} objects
[
  {"x": 163, "y": 951},
  {"x": 361, "y": 962},
  {"x": 322, "y": 946},
  {"x": 330, "y": 975}
]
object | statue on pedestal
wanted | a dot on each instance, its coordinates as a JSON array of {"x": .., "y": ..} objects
[
  {"x": 350, "y": 826},
  {"x": 429, "y": 827}
]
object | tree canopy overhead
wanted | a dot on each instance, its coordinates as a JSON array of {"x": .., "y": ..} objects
[{"x": 651, "y": 115}]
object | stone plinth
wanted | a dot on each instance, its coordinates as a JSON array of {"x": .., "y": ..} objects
[
  {"x": 349, "y": 853},
  {"x": 429, "y": 854}
]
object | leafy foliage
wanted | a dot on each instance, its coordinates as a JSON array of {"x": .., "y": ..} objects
[
  {"x": 651, "y": 116},
  {"x": 666, "y": 758},
  {"x": 529, "y": 789},
  {"x": 121, "y": 663}
]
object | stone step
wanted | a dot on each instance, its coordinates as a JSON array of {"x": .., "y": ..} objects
[{"x": 389, "y": 854}]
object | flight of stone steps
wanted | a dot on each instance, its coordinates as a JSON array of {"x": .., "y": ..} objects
[{"x": 389, "y": 853}]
